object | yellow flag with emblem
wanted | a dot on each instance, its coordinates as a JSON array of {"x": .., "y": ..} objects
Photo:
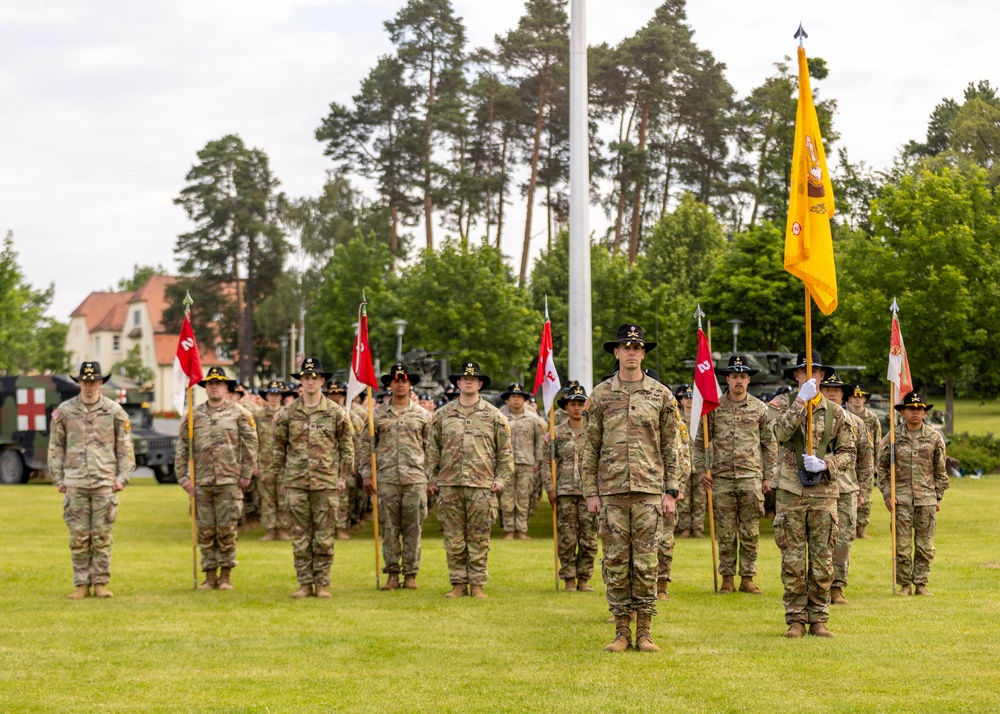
[{"x": 808, "y": 241}]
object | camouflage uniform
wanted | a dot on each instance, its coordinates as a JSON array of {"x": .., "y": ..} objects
[
  {"x": 576, "y": 526},
  {"x": 360, "y": 503},
  {"x": 744, "y": 454},
  {"x": 874, "y": 429},
  {"x": 225, "y": 451},
  {"x": 665, "y": 544},
  {"x": 630, "y": 461},
  {"x": 313, "y": 454},
  {"x": 400, "y": 434},
  {"x": 90, "y": 449},
  {"x": 349, "y": 496},
  {"x": 528, "y": 441},
  {"x": 851, "y": 481},
  {"x": 921, "y": 481},
  {"x": 273, "y": 507},
  {"x": 805, "y": 525},
  {"x": 691, "y": 511},
  {"x": 468, "y": 451}
]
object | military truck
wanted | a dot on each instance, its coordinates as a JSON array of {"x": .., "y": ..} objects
[{"x": 26, "y": 406}]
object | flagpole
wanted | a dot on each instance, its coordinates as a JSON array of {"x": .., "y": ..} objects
[
  {"x": 708, "y": 470},
  {"x": 552, "y": 463},
  {"x": 194, "y": 489},
  {"x": 892, "y": 478},
  {"x": 809, "y": 371}
]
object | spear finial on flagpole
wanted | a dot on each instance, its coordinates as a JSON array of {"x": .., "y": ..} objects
[
  {"x": 699, "y": 313},
  {"x": 894, "y": 307},
  {"x": 188, "y": 302},
  {"x": 800, "y": 34},
  {"x": 546, "y": 308}
]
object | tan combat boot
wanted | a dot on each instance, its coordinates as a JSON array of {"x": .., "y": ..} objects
[
  {"x": 922, "y": 590},
  {"x": 102, "y": 591},
  {"x": 343, "y": 535},
  {"x": 623, "y": 634},
  {"x": 322, "y": 592},
  {"x": 904, "y": 591},
  {"x": 392, "y": 582},
  {"x": 686, "y": 533},
  {"x": 269, "y": 536},
  {"x": 661, "y": 594},
  {"x": 795, "y": 630},
  {"x": 583, "y": 586},
  {"x": 80, "y": 593},
  {"x": 863, "y": 532},
  {"x": 837, "y": 597},
  {"x": 697, "y": 533},
  {"x": 818, "y": 629},
  {"x": 643, "y": 640},
  {"x": 522, "y": 536},
  {"x": 224, "y": 583},
  {"x": 631, "y": 617},
  {"x": 211, "y": 580},
  {"x": 459, "y": 590},
  {"x": 479, "y": 592},
  {"x": 509, "y": 535},
  {"x": 571, "y": 585},
  {"x": 747, "y": 586},
  {"x": 728, "y": 586},
  {"x": 284, "y": 535},
  {"x": 304, "y": 591},
  {"x": 410, "y": 582}
]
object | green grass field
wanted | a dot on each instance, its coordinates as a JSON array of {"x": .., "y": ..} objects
[
  {"x": 976, "y": 417},
  {"x": 160, "y": 647}
]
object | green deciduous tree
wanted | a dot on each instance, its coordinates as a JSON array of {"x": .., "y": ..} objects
[
  {"x": 140, "y": 274},
  {"x": 133, "y": 367}
]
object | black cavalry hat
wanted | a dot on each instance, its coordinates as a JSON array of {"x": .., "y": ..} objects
[
  {"x": 683, "y": 391},
  {"x": 237, "y": 386},
  {"x": 450, "y": 392},
  {"x": 738, "y": 364},
  {"x": 653, "y": 374},
  {"x": 800, "y": 363},
  {"x": 858, "y": 390},
  {"x": 217, "y": 374},
  {"x": 90, "y": 372},
  {"x": 470, "y": 369},
  {"x": 575, "y": 393},
  {"x": 400, "y": 371},
  {"x": 913, "y": 399},
  {"x": 334, "y": 386},
  {"x": 514, "y": 389},
  {"x": 629, "y": 334},
  {"x": 311, "y": 367},
  {"x": 273, "y": 387},
  {"x": 833, "y": 380}
]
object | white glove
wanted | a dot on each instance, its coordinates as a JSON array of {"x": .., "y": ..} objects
[
  {"x": 813, "y": 464},
  {"x": 808, "y": 391}
]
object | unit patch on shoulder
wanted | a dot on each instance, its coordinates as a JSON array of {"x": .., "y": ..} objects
[
  {"x": 127, "y": 425},
  {"x": 55, "y": 416},
  {"x": 253, "y": 422}
]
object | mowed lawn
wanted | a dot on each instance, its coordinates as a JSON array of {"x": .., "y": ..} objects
[
  {"x": 975, "y": 416},
  {"x": 160, "y": 647}
]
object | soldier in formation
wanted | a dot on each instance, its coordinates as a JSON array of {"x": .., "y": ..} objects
[
  {"x": 742, "y": 458},
  {"x": 692, "y": 508},
  {"x": 347, "y": 509},
  {"x": 851, "y": 481},
  {"x": 401, "y": 428},
  {"x": 469, "y": 461},
  {"x": 629, "y": 476},
  {"x": 224, "y": 451},
  {"x": 856, "y": 401},
  {"x": 313, "y": 458},
  {"x": 527, "y": 437},
  {"x": 921, "y": 480},
  {"x": 805, "y": 524},
  {"x": 665, "y": 543},
  {"x": 91, "y": 459},
  {"x": 575, "y": 525},
  {"x": 273, "y": 507}
]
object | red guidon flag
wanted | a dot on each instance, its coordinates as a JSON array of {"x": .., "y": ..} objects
[
  {"x": 362, "y": 369},
  {"x": 706, "y": 389},
  {"x": 546, "y": 376},
  {"x": 899, "y": 364},
  {"x": 187, "y": 366}
]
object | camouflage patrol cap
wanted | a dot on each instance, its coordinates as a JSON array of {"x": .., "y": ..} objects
[
  {"x": 217, "y": 374},
  {"x": 629, "y": 334},
  {"x": 311, "y": 367},
  {"x": 576, "y": 393},
  {"x": 914, "y": 400},
  {"x": 90, "y": 372},
  {"x": 470, "y": 369},
  {"x": 515, "y": 389},
  {"x": 400, "y": 371}
]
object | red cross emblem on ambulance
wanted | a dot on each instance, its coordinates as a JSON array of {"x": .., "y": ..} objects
[
  {"x": 31, "y": 410},
  {"x": 122, "y": 396}
]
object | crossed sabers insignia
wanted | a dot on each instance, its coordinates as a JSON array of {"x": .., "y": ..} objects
[
  {"x": 738, "y": 361},
  {"x": 470, "y": 371}
]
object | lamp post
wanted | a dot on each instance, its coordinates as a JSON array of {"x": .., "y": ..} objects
[
  {"x": 400, "y": 329},
  {"x": 736, "y": 322},
  {"x": 284, "y": 356}
]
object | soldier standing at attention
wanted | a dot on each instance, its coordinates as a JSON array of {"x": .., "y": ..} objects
[
  {"x": 692, "y": 508},
  {"x": 743, "y": 458},
  {"x": 921, "y": 480},
  {"x": 851, "y": 482},
  {"x": 577, "y": 526},
  {"x": 273, "y": 507},
  {"x": 401, "y": 428},
  {"x": 469, "y": 460},
  {"x": 528, "y": 441},
  {"x": 225, "y": 456},
  {"x": 856, "y": 401},
  {"x": 805, "y": 524},
  {"x": 629, "y": 475},
  {"x": 313, "y": 458},
  {"x": 90, "y": 458},
  {"x": 337, "y": 393}
]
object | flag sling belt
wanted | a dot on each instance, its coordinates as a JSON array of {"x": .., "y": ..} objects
[{"x": 797, "y": 444}]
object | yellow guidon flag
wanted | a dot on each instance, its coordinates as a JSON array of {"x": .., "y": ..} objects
[{"x": 808, "y": 242}]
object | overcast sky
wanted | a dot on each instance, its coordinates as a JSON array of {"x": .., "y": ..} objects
[{"x": 104, "y": 104}]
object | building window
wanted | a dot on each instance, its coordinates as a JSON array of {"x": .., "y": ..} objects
[
  {"x": 136, "y": 317},
  {"x": 116, "y": 344},
  {"x": 97, "y": 345},
  {"x": 222, "y": 354}
]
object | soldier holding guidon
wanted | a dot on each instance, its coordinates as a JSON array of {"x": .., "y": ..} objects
[
  {"x": 225, "y": 456},
  {"x": 401, "y": 428},
  {"x": 527, "y": 437},
  {"x": 629, "y": 475},
  {"x": 313, "y": 457},
  {"x": 91, "y": 459}
]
